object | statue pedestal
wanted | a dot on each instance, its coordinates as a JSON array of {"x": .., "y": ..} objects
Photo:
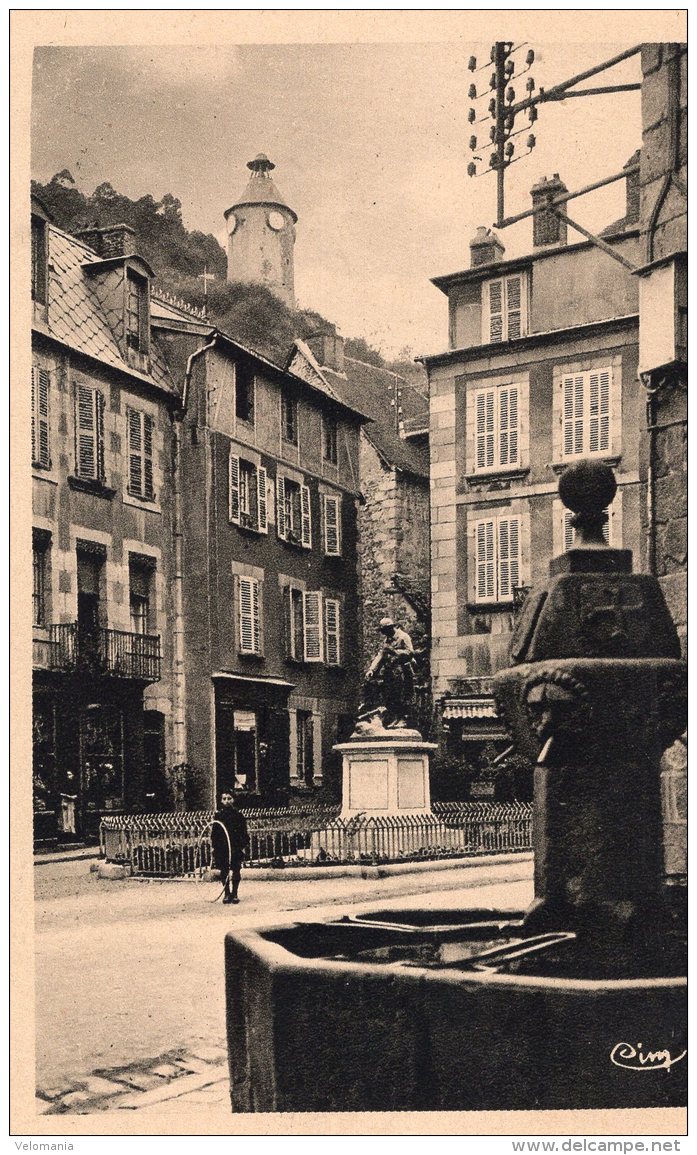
[{"x": 387, "y": 775}]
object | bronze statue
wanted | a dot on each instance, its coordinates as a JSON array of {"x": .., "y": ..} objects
[{"x": 388, "y": 690}]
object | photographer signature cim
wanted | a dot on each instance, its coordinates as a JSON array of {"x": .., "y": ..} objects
[{"x": 634, "y": 1058}]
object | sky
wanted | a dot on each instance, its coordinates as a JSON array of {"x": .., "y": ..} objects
[{"x": 370, "y": 143}]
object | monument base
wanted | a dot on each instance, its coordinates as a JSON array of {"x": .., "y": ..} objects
[{"x": 386, "y": 776}]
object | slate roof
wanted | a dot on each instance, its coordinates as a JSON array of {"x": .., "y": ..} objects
[
  {"x": 377, "y": 392},
  {"x": 75, "y": 316}
]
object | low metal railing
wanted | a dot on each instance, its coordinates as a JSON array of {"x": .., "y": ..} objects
[
  {"x": 120, "y": 653},
  {"x": 175, "y": 845}
]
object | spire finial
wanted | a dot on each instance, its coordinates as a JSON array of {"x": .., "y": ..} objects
[{"x": 261, "y": 163}]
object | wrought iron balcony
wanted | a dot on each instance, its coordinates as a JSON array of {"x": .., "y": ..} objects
[{"x": 113, "y": 653}]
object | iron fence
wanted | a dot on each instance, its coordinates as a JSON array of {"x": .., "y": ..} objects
[
  {"x": 118, "y": 652},
  {"x": 177, "y": 845}
]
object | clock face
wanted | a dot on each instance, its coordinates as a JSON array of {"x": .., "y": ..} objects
[
  {"x": 276, "y": 221},
  {"x": 231, "y": 223}
]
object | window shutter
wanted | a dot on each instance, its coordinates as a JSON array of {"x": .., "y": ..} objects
[
  {"x": 87, "y": 432},
  {"x": 573, "y": 416},
  {"x": 514, "y": 307},
  {"x": 99, "y": 418},
  {"x": 262, "y": 512},
  {"x": 234, "y": 488},
  {"x": 148, "y": 424},
  {"x": 508, "y": 426},
  {"x": 599, "y": 405},
  {"x": 495, "y": 310},
  {"x": 509, "y": 556},
  {"x": 40, "y": 419},
  {"x": 332, "y": 622},
  {"x": 484, "y": 563},
  {"x": 485, "y": 429},
  {"x": 313, "y": 626},
  {"x": 249, "y": 616},
  {"x": 135, "y": 452},
  {"x": 569, "y": 531},
  {"x": 281, "y": 506},
  {"x": 288, "y": 622},
  {"x": 306, "y": 536},
  {"x": 332, "y": 519}
]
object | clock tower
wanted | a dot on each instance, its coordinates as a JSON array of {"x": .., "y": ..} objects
[{"x": 261, "y": 234}]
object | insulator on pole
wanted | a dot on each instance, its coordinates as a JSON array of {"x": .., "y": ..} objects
[
  {"x": 472, "y": 92},
  {"x": 492, "y": 107},
  {"x": 530, "y": 58},
  {"x": 492, "y": 80},
  {"x": 509, "y": 67},
  {"x": 493, "y": 160},
  {"x": 510, "y": 95},
  {"x": 473, "y": 143},
  {"x": 509, "y": 149},
  {"x": 530, "y": 84},
  {"x": 532, "y": 114},
  {"x": 471, "y": 169},
  {"x": 492, "y": 54},
  {"x": 531, "y": 141},
  {"x": 509, "y": 121},
  {"x": 492, "y": 132},
  {"x": 471, "y": 116},
  {"x": 472, "y": 64}
]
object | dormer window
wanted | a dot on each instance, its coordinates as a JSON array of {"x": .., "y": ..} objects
[
  {"x": 137, "y": 313},
  {"x": 505, "y": 309},
  {"x": 38, "y": 260}
]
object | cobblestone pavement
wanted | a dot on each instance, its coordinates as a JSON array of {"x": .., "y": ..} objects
[{"x": 174, "y": 1082}]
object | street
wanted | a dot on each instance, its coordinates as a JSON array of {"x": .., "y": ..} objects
[{"x": 129, "y": 970}]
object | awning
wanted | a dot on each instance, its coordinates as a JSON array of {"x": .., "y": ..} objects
[
  {"x": 249, "y": 678},
  {"x": 469, "y": 708}
]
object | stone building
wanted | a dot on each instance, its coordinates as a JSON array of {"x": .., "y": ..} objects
[
  {"x": 541, "y": 370},
  {"x": 663, "y": 366},
  {"x": 261, "y": 234},
  {"x": 102, "y": 399},
  {"x": 393, "y": 517},
  {"x": 266, "y": 468}
]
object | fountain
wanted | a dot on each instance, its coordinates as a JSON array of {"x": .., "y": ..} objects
[{"x": 578, "y": 1002}]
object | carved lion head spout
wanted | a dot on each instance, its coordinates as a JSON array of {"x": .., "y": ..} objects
[{"x": 557, "y": 710}]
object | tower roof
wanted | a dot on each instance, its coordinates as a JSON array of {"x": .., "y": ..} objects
[{"x": 261, "y": 190}]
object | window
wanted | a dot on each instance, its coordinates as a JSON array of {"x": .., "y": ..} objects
[
  {"x": 89, "y": 424},
  {"x": 505, "y": 310},
  {"x": 38, "y": 260},
  {"x": 497, "y": 428},
  {"x": 569, "y": 532},
  {"x": 40, "y": 579},
  {"x": 247, "y": 494},
  {"x": 289, "y": 417},
  {"x": 497, "y": 559},
  {"x": 137, "y": 314},
  {"x": 293, "y": 512},
  {"x": 312, "y": 626},
  {"x": 331, "y": 525},
  {"x": 330, "y": 438},
  {"x": 140, "y": 577},
  {"x": 244, "y": 393},
  {"x": 140, "y": 438},
  {"x": 40, "y": 418},
  {"x": 249, "y": 607},
  {"x": 332, "y": 630},
  {"x": 305, "y": 761},
  {"x": 586, "y": 413}
]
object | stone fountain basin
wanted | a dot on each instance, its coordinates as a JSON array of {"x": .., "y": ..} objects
[{"x": 354, "y": 1016}]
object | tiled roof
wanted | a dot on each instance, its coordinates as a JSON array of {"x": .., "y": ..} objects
[
  {"x": 75, "y": 315},
  {"x": 378, "y": 393}
]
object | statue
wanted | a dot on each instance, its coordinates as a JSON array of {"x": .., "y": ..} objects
[{"x": 388, "y": 690}]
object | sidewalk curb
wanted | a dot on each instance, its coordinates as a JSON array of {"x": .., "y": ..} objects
[
  {"x": 48, "y": 857},
  {"x": 369, "y": 873}
]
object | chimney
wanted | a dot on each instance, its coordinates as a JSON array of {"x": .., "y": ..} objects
[
  {"x": 328, "y": 350},
  {"x": 547, "y": 229},
  {"x": 633, "y": 189},
  {"x": 110, "y": 241},
  {"x": 485, "y": 248}
]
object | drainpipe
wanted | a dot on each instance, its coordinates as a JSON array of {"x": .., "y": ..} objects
[
  {"x": 178, "y": 673},
  {"x": 651, "y": 481}
]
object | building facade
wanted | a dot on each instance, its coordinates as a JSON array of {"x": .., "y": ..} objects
[
  {"x": 541, "y": 370},
  {"x": 267, "y": 468},
  {"x": 102, "y": 399}
]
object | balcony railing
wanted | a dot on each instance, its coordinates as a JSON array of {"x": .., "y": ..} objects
[{"x": 114, "y": 653}]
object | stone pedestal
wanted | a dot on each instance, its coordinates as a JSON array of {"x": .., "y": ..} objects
[{"x": 384, "y": 777}]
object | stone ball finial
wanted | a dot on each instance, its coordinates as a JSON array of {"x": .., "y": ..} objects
[{"x": 587, "y": 489}]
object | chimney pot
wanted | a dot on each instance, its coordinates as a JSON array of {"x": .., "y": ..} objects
[
  {"x": 485, "y": 248},
  {"x": 547, "y": 229},
  {"x": 633, "y": 189},
  {"x": 328, "y": 350},
  {"x": 110, "y": 240}
]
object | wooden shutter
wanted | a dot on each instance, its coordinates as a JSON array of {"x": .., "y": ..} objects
[
  {"x": 573, "y": 415},
  {"x": 514, "y": 307},
  {"x": 569, "y": 531},
  {"x": 281, "y": 506},
  {"x": 288, "y": 622},
  {"x": 332, "y": 629},
  {"x": 495, "y": 295},
  {"x": 148, "y": 425},
  {"x": 484, "y": 561},
  {"x": 249, "y": 616},
  {"x": 262, "y": 511},
  {"x": 599, "y": 411},
  {"x": 485, "y": 407},
  {"x": 305, "y": 509},
  {"x": 508, "y": 425},
  {"x": 332, "y": 525},
  {"x": 89, "y": 424},
  {"x": 312, "y": 604},
  {"x": 234, "y": 488},
  {"x": 135, "y": 452},
  {"x": 509, "y": 556},
  {"x": 40, "y": 417}
]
